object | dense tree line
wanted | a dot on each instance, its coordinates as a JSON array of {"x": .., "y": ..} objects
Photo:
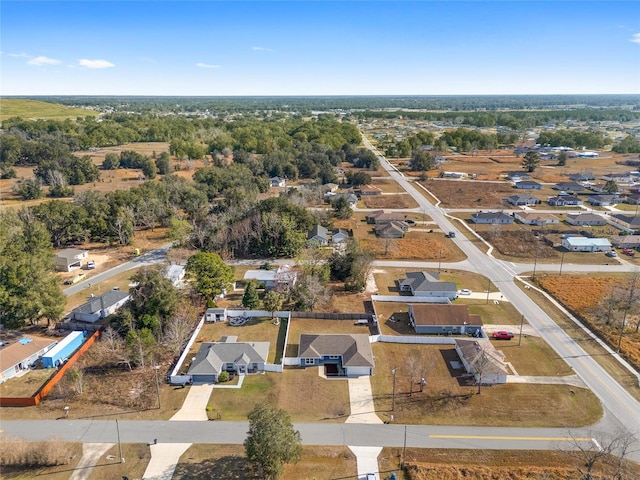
[
  {"x": 629, "y": 144},
  {"x": 466, "y": 140},
  {"x": 572, "y": 138}
]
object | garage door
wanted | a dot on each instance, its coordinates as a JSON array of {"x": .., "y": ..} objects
[{"x": 204, "y": 378}]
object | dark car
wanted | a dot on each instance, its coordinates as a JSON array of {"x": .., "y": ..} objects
[{"x": 502, "y": 335}]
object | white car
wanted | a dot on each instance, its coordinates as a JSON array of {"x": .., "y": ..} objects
[
  {"x": 91, "y": 264},
  {"x": 464, "y": 291}
]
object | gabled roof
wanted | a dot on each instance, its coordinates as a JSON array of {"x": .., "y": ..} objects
[
  {"x": 318, "y": 231},
  {"x": 536, "y": 216},
  {"x": 427, "y": 281},
  {"x": 586, "y": 217},
  {"x": 355, "y": 349},
  {"x": 213, "y": 355},
  {"x": 382, "y": 216},
  {"x": 70, "y": 253},
  {"x": 22, "y": 349},
  {"x": 632, "y": 220},
  {"x": 480, "y": 354},
  {"x": 528, "y": 183},
  {"x": 433, "y": 314},
  {"x": 522, "y": 198},
  {"x": 102, "y": 302},
  {"x": 396, "y": 227},
  {"x": 568, "y": 186},
  {"x": 491, "y": 216},
  {"x": 564, "y": 198}
]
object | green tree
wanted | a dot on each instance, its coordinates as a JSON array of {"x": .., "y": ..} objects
[
  {"x": 341, "y": 208},
  {"x": 562, "y": 158},
  {"x": 272, "y": 441},
  {"x": 141, "y": 345},
  {"x": 358, "y": 178},
  {"x": 29, "y": 189},
  {"x": 611, "y": 187},
  {"x": 149, "y": 169},
  {"x": 153, "y": 296},
  {"x": 531, "y": 161},
  {"x": 111, "y": 161},
  {"x": 421, "y": 160},
  {"x": 273, "y": 301},
  {"x": 29, "y": 289},
  {"x": 250, "y": 298},
  {"x": 209, "y": 274},
  {"x": 163, "y": 162}
]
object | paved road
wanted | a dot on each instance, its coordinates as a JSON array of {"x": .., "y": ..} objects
[
  {"x": 155, "y": 256},
  {"x": 623, "y": 407},
  {"x": 423, "y": 436}
]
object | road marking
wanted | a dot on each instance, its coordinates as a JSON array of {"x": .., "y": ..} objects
[{"x": 499, "y": 437}]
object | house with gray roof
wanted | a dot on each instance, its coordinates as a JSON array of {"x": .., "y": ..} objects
[
  {"x": 340, "y": 355},
  {"x": 585, "y": 219},
  {"x": 100, "y": 307},
  {"x": 318, "y": 234},
  {"x": 427, "y": 284},
  {"x": 568, "y": 187},
  {"x": 491, "y": 218},
  {"x": 564, "y": 201},
  {"x": 528, "y": 185},
  {"x": 626, "y": 241},
  {"x": 480, "y": 359},
  {"x": 627, "y": 222},
  {"x": 228, "y": 355},
  {"x": 581, "y": 177},
  {"x": 603, "y": 200},
  {"x": 393, "y": 229},
  {"x": 523, "y": 200}
]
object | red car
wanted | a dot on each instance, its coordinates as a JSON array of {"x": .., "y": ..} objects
[{"x": 502, "y": 335}]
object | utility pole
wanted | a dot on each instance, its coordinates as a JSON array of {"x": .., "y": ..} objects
[
  {"x": 404, "y": 446},
  {"x": 561, "y": 262},
  {"x": 488, "y": 290},
  {"x": 535, "y": 263},
  {"x": 156, "y": 368},
  {"x": 393, "y": 396},
  {"x": 440, "y": 260},
  {"x": 119, "y": 443},
  {"x": 520, "y": 337}
]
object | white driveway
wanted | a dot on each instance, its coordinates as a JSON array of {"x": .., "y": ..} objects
[
  {"x": 91, "y": 453},
  {"x": 367, "y": 460},
  {"x": 164, "y": 460},
  {"x": 361, "y": 400},
  {"x": 195, "y": 405}
]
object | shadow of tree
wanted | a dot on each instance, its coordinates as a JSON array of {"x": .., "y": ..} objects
[{"x": 228, "y": 467}]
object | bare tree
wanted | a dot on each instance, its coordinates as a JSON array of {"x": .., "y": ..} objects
[
  {"x": 310, "y": 292},
  {"x": 179, "y": 327},
  {"x": 313, "y": 260},
  {"x": 390, "y": 246}
]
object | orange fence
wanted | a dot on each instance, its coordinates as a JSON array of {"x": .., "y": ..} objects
[{"x": 55, "y": 378}]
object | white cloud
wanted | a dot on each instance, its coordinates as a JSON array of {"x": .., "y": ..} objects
[
  {"x": 94, "y": 64},
  {"x": 40, "y": 61},
  {"x": 261, "y": 49},
  {"x": 20, "y": 55},
  {"x": 635, "y": 38},
  {"x": 206, "y": 65}
]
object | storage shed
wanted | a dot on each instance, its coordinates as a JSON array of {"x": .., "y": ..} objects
[{"x": 63, "y": 350}]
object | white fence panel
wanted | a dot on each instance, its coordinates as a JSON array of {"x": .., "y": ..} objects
[
  {"x": 185, "y": 352},
  {"x": 291, "y": 361},
  {"x": 407, "y": 299},
  {"x": 272, "y": 367},
  {"x": 415, "y": 340}
]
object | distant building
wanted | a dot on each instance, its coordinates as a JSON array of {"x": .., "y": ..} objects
[
  {"x": 70, "y": 259},
  {"x": 271, "y": 279},
  {"x": 568, "y": 187},
  {"x": 528, "y": 185},
  {"x": 584, "y": 244},
  {"x": 491, "y": 218},
  {"x": 585, "y": 219},
  {"x": 278, "y": 182},
  {"x": 523, "y": 200},
  {"x": 564, "y": 201},
  {"x": 100, "y": 307},
  {"x": 532, "y": 218}
]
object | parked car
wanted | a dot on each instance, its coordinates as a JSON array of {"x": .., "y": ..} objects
[
  {"x": 611, "y": 253},
  {"x": 502, "y": 335},
  {"x": 91, "y": 264},
  {"x": 628, "y": 251},
  {"x": 464, "y": 291},
  {"x": 451, "y": 235}
]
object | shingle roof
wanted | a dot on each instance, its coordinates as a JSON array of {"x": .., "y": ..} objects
[
  {"x": 102, "y": 302},
  {"x": 480, "y": 353},
  {"x": 427, "y": 281},
  {"x": 355, "y": 349},
  {"x": 13, "y": 354},
  {"x": 211, "y": 356}
]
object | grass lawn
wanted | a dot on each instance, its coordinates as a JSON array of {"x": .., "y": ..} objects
[
  {"x": 311, "y": 325},
  {"x": 533, "y": 357},
  {"x": 31, "y": 109},
  {"x": 230, "y": 462},
  {"x": 386, "y": 280},
  {"x": 25, "y": 385},
  {"x": 257, "y": 329},
  {"x": 305, "y": 395},
  {"x": 447, "y": 400},
  {"x": 120, "y": 280}
]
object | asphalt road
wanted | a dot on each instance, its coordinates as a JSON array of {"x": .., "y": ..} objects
[
  {"x": 621, "y": 405},
  {"x": 220, "y": 432}
]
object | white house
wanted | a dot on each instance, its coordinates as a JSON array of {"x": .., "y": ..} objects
[
  {"x": 20, "y": 355},
  {"x": 270, "y": 279},
  {"x": 278, "y": 182},
  {"x": 69, "y": 259},
  {"x": 175, "y": 273},
  {"x": 532, "y": 218},
  {"x": 100, "y": 307},
  {"x": 584, "y": 244}
]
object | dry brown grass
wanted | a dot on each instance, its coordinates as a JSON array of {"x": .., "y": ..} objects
[
  {"x": 466, "y": 194},
  {"x": 581, "y": 294},
  {"x": 230, "y": 462},
  {"x": 400, "y": 200},
  {"x": 17, "y": 452},
  {"x": 448, "y": 399},
  {"x": 422, "y": 246}
]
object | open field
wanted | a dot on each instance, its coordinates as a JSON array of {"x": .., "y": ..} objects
[
  {"x": 399, "y": 200},
  {"x": 582, "y": 294},
  {"x": 451, "y": 464},
  {"x": 305, "y": 395},
  {"x": 447, "y": 399},
  {"x": 230, "y": 462},
  {"x": 35, "y": 109}
]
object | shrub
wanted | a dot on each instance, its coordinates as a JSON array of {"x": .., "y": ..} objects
[
  {"x": 223, "y": 377},
  {"x": 17, "y": 452}
]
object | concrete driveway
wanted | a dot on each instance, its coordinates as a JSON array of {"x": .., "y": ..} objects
[
  {"x": 361, "y": 400},
  {"x": 195, "y": 405}
]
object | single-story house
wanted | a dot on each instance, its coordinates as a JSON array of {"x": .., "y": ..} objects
[
  {"x": 100, "y": 307},
  {"x": 523, "y": 200},
  {"x": 175, "y": 273},
  {"x": 568, "y": 187},
  {"x": 340, "y": 235},
  {"x": 618, "y": 177},
  {"x": 228, "y": 355},
  {"x": 603, "y": 200},
  {"x": 70, "y": 258},
  {"x": 215, "y": 315},
  {"x": 482, "y": 360},
  {"x": 369, "y": 190},
  {"x": 318, "y": 234},
  {"x": 331, "y": 197},
  {"x": 427, "y": 284},
  {"x": 536, "y": 218},
  {"x": 517, "y": 176},
  {"x": 491, "y": 218},
  {"x": 430, "y": 319},
  {"x": 528, "y": 185},
  {"x": 585, "y": 219},
  {"x": 20, "y": 355},
  {"x": 391, "y": 229},
  {"x": 329, "y": 187},
  {"x": 380, "y": 216},
  {"x": 584, "y": 244},
  {"x": 626, "y": 241},
  {"x": 341, "y": 355},
  {"x": 630, "y": 222},
  {"x": 455, "y": 174},
  {"x": 632, "y": 199},
  {"x": 277, "y": 182},
  {"x": 564, "y": 201},
  {"x": 581, "y": 177},
  {"x": 597, "y": 187},
  {"x": 271, "y": 279}
]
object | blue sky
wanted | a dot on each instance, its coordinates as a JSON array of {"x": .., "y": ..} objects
[{"x": 318, "y": 47}]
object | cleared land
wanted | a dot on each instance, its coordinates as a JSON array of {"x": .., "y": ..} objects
[
  {"x": 449, "y": 399},
  {"x": 35, "y": 109}
]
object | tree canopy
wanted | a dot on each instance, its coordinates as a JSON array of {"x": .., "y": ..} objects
[{"x": 209, "y": 274}]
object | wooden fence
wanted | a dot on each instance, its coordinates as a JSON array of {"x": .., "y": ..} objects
[{"x": 44, "y": 390}]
